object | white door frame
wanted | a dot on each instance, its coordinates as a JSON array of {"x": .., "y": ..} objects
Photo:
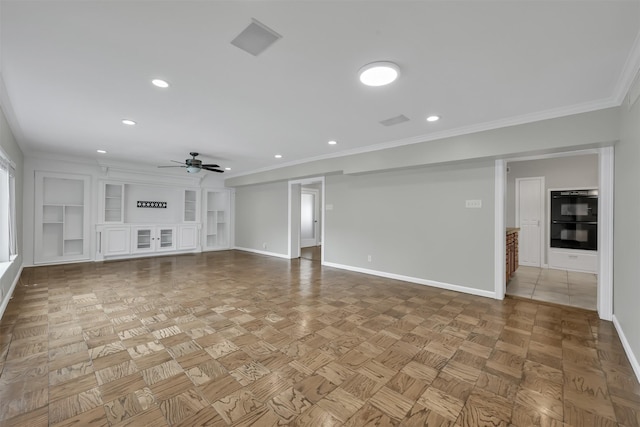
[
  {"x": 605, "y": 225},
  {"x": 542, "y": 213},
  {"x": 316, "y": 214},
  {"x": 295, "y": 189}
]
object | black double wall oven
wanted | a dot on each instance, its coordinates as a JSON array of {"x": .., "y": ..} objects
[{"x": 574, "y": 219}]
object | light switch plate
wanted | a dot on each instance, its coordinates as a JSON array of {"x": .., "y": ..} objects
[{"x": 473, "y": 204}]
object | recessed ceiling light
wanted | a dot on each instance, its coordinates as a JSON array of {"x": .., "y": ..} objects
[
  {"x": 332, "y": 142},
  {"x": 160, "y": 83},
  {"x": 278, "y": 156},
  {"x": 227, "y": 169},
  {"x": 128, "y": 122},
  {"x": 433, "y": 118},
  {"x": 101, "y": 151},
  {"x": 379, "y": 73}
]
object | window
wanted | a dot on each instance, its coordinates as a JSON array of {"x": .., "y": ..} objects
[{"x": 8, "y": 238}]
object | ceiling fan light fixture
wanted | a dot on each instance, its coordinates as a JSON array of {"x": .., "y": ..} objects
[
  {"x": 193, "y": 169},
  {"x": 379, "y": 73}
]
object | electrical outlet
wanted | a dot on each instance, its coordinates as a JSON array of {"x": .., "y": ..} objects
[
  {"x": 473, "y": 204},
  {"x": 369, "y": 258}
]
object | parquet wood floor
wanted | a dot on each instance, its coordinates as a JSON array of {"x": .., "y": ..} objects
[{"x": 231, "y": 338}]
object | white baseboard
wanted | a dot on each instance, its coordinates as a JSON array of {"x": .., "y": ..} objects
[
  {"x": 7, "y": 297},
  {"x": 627, "y": 348},
  {"x": 256, "y": 251},
  {"x": 432, "y": 283}
]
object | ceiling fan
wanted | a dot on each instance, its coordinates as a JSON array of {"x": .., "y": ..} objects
[{"x": 194, "y": 165}]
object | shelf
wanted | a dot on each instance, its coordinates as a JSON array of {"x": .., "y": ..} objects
[
  {"x": 64, "y": 191},
  {"x": 62, "y": 212},
  {"x": 52, "y": 214},
  {"x": 113, "y": 202}
]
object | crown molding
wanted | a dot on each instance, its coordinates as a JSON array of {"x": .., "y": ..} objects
[
  {"x": 629, "y": 72},
  {"x": 9, "y": 114},
  {"x": 465, "y": 130}
]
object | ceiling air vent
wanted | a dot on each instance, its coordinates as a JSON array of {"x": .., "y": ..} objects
[
  {"x": 395, "y": 120},
  {"x": 256, "y": 38}
]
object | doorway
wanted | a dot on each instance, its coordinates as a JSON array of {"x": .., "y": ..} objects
[
  {"x": 306, "y": 219},
  {"x": 309, "y": 217},
  {"x": 604, "y": 262}
]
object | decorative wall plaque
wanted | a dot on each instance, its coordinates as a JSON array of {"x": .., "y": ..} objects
[{"x": 159, "y": 205}]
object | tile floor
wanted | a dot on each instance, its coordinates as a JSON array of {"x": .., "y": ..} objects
[
  {"x": 231, "y": 338},
  {"x": 556, "y": 286},
  {"x": 312, "y": 253}
]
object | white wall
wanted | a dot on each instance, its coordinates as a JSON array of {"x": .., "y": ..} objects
[
  {"x": 579, "y": 171},
  {"x": 262, "y": 218},
  {"x": 626, "y": 265},
  {"x": 172, "y": 214},
  {"x": 11, "y": 148},
  {"x": 414, "y": 223}
]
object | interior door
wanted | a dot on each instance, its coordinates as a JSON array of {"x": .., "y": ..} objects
[
  {"x": 309, "y": 213},
  {"x": 529, "y": 217}
]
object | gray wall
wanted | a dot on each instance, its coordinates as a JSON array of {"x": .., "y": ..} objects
[
  {"x": 626, "y": 274},
  {"x": 414, "y": 223},
  {"x": 561, "y": 172},
  {"x": 9, "y": 145},
  {"x": 262, "y": 217}
]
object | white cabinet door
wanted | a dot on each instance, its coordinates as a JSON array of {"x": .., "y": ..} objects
[
  {"x": 165, "y": 239},
  {"x": 188, "y": 237},
  {"x": 143, "y": 239},
  {"x": 117, "y": 241}
]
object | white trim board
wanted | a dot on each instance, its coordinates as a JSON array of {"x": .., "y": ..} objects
[
  {"x": 9, "y": 294},
  {"x": 627, "y": 348},
  {"x": 432, "y": 283},
  {"x": 500, "y": 207},
  {"x": 256, "y": 251},
  {"x": 543, "y": 203}
]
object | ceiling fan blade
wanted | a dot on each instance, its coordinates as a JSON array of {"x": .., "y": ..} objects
[
  {"x": 175, "y": 161},
  {"x": 183, "y": 166},
  {"x": 212, "y": 169},
  {"x": 212, "y": 166}
]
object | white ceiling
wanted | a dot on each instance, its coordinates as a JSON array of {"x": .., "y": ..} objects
[{"x": 72, "y": 70}]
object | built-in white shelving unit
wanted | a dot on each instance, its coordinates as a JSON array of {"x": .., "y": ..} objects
[
  {"x": 190, "y": 205},
  {"x": 217, "y": 225},
  {"x": 126, "y": 230},
  {"x": 113, "y": 203},
  {"x": 61, "y": 217}
]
